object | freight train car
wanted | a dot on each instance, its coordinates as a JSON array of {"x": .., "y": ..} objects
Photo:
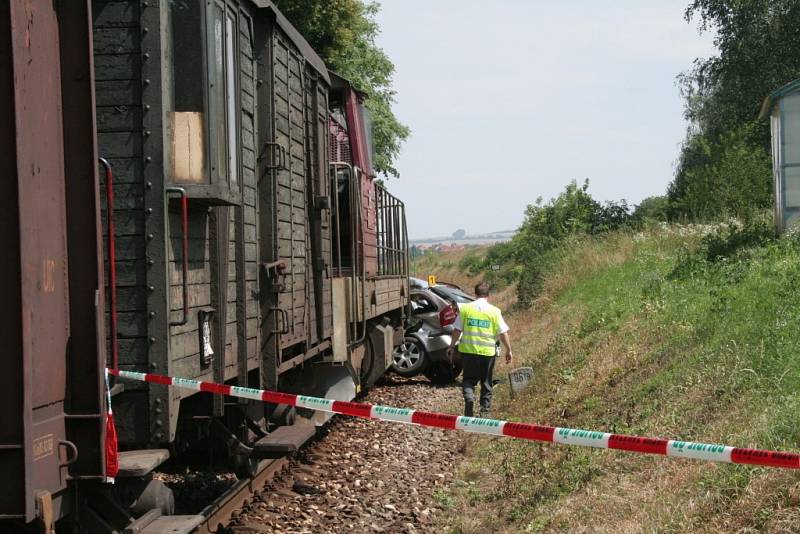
[
  {"x": 230, "y": 221},
  {"x": 53, "y": 415},
  {"x": 233, "y": 242},
  {"x": 234, "y": 259}
]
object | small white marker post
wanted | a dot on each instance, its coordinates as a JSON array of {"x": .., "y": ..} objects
[{"x": 520, "y": 379}]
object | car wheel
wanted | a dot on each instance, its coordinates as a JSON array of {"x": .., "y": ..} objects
[
  {"x": 409, "y": 358},
  {"x": 443, "y": 373}
]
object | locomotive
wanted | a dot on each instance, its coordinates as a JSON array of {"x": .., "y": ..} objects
[{"x": 234, "y": 232}]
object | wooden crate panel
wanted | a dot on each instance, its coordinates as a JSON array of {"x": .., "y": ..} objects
[
  {"x": 115, "y": 14},
  {"x": 119, "y": 93},
  {"x": 123, "y": 40},
  {"x": 117, "y": 67},
  {"x": 120, "y": 144}
]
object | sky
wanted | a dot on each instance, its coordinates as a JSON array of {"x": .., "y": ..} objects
[{"x": 510, "y": 100}]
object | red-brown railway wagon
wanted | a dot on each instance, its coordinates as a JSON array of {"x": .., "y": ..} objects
[
  {"x": 236, "y": 250},
  {"x": 51, "y": 384}
]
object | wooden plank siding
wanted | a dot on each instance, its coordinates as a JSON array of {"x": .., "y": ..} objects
[
  {"x": 246, "y": 293},
  {"x": 273, "y": 212},
  {"x": 117, "y": 60},
  {"x": 242, "y": 310},
  {"x": 299, "y": 230},
  {"x": 290, "y": 230}
]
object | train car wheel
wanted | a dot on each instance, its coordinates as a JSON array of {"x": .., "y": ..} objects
[
  {"x": 245, "y": 467},
  {"x": 283, "y": 415}
]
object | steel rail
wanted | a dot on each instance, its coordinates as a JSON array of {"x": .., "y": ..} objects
[{"x": 218, "y": 514}]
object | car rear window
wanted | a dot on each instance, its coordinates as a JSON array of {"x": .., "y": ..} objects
[{"x": 451, "y": 293}]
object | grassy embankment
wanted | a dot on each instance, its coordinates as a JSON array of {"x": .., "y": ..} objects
[
  {"x": 642, "y": 334},
  {"x": 447, "y": 267}
]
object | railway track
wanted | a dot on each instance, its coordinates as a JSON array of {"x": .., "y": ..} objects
[
  {"x": 362, "y": 476},
  {"x": 355, "y": 474},
  {"x": 218, "y": 514}
]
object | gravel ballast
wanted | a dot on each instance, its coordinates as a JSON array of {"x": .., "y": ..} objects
[{"x": 365, "y": 476}]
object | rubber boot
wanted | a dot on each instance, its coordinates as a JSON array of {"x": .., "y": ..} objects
[{"x": 468, "y": 408}]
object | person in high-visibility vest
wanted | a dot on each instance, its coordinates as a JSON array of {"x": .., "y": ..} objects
[{"x": 476, "y": 330}]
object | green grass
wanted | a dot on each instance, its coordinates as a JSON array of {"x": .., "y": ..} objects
[{"x": 645, "y": 334}]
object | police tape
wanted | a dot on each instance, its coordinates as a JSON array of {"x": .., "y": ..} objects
[{"x": 494, "y": 427}]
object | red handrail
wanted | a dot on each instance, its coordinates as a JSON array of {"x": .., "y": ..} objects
[
  {"x": 185, "y": 242},
  {"x": 112, "y": 262}
]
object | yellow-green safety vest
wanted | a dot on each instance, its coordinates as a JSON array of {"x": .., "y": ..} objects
[{"x": 480, "y": 330}]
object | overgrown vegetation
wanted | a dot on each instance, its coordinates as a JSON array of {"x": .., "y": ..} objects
[
  {"x": 635, "y": 325},
  {"x": 343, "y": 32},
  {"x": 688, "y": 332},
  {"x": 726, "y": 176},
  {"x": 545, "y": 228}
]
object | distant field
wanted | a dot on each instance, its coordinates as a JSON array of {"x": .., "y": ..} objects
[
  {"x": 477, "y": 239},
  {"x": 465, "y": 242},
  {"x": 640, "y": 333}
]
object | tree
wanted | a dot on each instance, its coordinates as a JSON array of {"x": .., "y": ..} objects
[
  {"x": 459, "y": 234},
  {"x": 729, "y": 177},
  {"x": 343, "y": 32},
  {"x": 547, "y": 226},
  {"x": 759, "y": 51},
  {"x": 725, "y": 155},
  {"x": 653, "y": 208}
]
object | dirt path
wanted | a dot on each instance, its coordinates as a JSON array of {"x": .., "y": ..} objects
[{"x": 365, "y": 476}]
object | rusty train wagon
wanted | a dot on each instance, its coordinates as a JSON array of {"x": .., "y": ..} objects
[
  {"x": 52, "y": 424},
  {"x": 228, "y": 221}
]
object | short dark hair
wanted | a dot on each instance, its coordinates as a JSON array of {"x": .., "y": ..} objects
[{"x": 482, "y": 290}]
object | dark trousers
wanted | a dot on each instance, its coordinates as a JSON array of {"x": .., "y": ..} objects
[{"x": 477, "y": 370}]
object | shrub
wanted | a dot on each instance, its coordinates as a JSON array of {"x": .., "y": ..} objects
[
  {"x": 546, "y": 227},
  {"x": 726, "y": 243},
  {"x": 720, "y": 178},
  {"x": 651, "y": 208},
  {"x": 472, "y": 264}
]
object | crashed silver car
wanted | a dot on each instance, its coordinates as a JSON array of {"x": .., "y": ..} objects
[{"x": 424, "y": 350}]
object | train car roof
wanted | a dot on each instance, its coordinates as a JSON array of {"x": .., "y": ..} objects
[
  {"x": 296, "y": 37},
  {"x": 340, "y": 82}
]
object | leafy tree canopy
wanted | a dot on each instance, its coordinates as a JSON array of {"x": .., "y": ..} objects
[
  {"x": 723, "y": 168},
  {"x": 725, "y": 177},
  {"x": 759, "y": 51},
  {"x": 652, "y": 208},
  {"x": 343, "y": 32}
]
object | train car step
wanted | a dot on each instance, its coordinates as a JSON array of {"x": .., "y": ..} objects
[
  {"x": 140, "y": 463},
  {"x": 173, "y": 524},
  {"x": 283, "y": 440}
]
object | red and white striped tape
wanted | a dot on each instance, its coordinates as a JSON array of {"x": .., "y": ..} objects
[{"x": 495, "y": 427}]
